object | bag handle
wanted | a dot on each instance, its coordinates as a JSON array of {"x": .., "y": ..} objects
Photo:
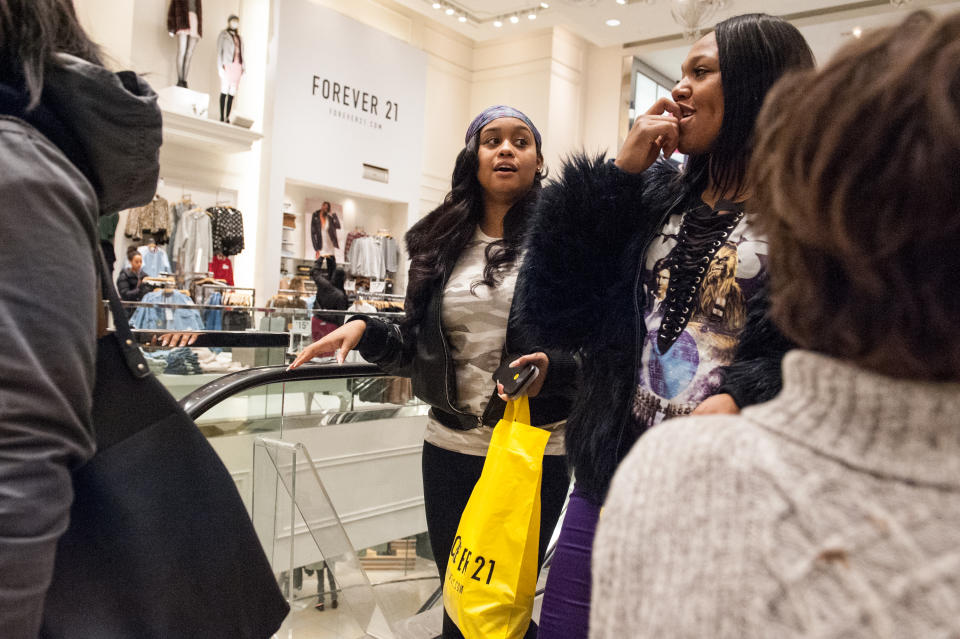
[
  {"x": 128, "y": 345},
  {"x": 518, "y": 410}
]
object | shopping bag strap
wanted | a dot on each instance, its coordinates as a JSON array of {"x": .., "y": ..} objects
[
  {"x": 128, "y": 345},
  {"x": 518, "y": 410}
]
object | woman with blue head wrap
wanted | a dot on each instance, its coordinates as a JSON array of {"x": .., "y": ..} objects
[{"x": 465, "y": 261}]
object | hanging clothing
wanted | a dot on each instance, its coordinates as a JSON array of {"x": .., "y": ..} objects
[
  {"x": 194, "y": 248},
  {"x": 176, "y": 215},
  {"x": 222, "y": 268},
  {"x": 391, "y": 253},
  {"x": 153, "y": 218},
  {"x": 351, "y": 237},
  {"x": 155, "y": 260},
  {"x": 213, "y": 317},
  {"x": 227, "y": 230},
  {"x": 367, "y": 259},
  {"x": 177, "y": 319}
]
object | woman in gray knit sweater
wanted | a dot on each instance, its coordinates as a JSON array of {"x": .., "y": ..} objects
[{"x": 832, "y": 510}]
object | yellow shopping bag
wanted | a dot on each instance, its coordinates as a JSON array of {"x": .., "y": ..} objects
[{"x": 491, "y": 575}]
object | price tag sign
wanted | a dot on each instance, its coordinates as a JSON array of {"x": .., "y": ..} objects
[
  {"x": 301, "y": 327},
  {"x": 378, "y": 287}
]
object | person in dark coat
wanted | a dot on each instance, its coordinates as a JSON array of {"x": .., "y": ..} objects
[
  {"x": 611, "y": 236},
  {"x": 77, "y": 141},
  {"x": 130, "y": 283},
  {"x": 330, "y": 296}
]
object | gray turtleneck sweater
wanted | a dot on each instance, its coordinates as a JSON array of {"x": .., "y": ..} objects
[{"x": 831, "y": 511}]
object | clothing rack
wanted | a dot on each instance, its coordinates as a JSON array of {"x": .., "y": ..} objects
[{"x": 224, "y": 288}]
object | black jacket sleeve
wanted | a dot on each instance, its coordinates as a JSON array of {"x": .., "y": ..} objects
[
  {"x": 316, "y": 231},
  {"x": 129, "y": 291},
  {"x": 755, "y": 375},
  {"x": 387, "y": 345},
  {"x": 561, "y": 375},
  {"x": 576, "y": 242}
]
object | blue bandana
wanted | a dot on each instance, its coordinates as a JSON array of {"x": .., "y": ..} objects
[{"x": 490, "y": 114}]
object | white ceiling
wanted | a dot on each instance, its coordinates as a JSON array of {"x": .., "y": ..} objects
[{"x": 641, "y": 21}]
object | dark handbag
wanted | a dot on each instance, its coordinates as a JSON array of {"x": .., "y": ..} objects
[{"x": 159, "y": 542}]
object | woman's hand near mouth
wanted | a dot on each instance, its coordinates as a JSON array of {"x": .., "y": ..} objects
[{"x": 656, "y": 130}]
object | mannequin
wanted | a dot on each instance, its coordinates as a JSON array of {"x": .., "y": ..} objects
[
  {"x": 229, "y": 65},
  {"x": 185, "y": 22}
]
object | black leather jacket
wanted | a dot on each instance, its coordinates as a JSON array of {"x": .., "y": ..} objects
[{"x": 423, "y": 354}]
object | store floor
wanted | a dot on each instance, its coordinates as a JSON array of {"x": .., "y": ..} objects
[{"x": 401, "y": 594}]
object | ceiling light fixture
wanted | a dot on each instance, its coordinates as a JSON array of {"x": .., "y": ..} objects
[
  {"x": 613, "y": 22},
  {"x": 437, "y": 5},
  {"x": 621, "y": 1},
  {"x": 857, "y": 32},
  {"x": 498, "y": 23},
  {"x": 544, "y": 5},
  {"x": 514, "y": 19},
  {"x": 462, "y": 18},
  {"x": 532, "y": 15},
  {"x": 450, "y": 11},
  {"x": 693, "y": 15}
]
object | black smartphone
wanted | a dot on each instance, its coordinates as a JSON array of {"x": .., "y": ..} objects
[{"x": 515, "y": 380}]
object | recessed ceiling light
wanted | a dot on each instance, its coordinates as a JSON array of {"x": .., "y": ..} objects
[
  {"x": 857, "y": 32},
  {"x": 621, "y": 1},
  {"x": 613, "y": 23},
  {"x": 514, "y": 19},
  {"x": 449, "y": 11},
  {"x": 462, "y": 18},
  {"x": 437, "y": 5},
  {"x": 532, "y": 16},
  {"x": 498, "y": 23},
  {"x": 544, "y": 5}
]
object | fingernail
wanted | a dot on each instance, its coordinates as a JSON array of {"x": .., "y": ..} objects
[{"x": 514, "y": 363}]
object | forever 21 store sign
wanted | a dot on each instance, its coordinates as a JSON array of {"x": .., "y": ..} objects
[{"x": 354, "y": 104}]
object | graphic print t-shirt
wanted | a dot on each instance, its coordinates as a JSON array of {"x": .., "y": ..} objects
[{"x": 674, "y": 381}]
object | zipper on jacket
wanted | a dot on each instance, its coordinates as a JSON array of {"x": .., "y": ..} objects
[{"x": 447, "y": 357}]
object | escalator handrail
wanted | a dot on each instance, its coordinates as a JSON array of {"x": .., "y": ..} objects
[{"x": 209, "y": 395}]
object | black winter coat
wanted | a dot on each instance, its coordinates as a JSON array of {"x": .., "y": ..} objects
[
  {"x": 328, "y": 296},
  {"x": 584, "y": 255},
  {"x": 130, "y": 285},
  {"x": 423, "y": 353}
]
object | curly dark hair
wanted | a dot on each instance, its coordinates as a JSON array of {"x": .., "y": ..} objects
[
  {"x": 436, "y": 242},
  {"x": 856, "y": 171}
]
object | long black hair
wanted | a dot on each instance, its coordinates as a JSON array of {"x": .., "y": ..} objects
[
  {"x": 755, "y": 50},
  {"x": 436, "y": 242},
  {"x": 31, "y": 33}
]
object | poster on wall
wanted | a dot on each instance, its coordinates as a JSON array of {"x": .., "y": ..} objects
[
  {"x": 325, "y": 223},
  {"x": 347, "y": 95}
]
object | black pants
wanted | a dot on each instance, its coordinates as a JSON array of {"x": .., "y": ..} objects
[{"x": 448, "y": 480}]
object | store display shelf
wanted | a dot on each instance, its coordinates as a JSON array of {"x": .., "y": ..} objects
[{"x": 206, "y": 135}]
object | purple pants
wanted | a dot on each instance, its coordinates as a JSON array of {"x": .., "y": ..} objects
[{"x": 566, "y": 600}]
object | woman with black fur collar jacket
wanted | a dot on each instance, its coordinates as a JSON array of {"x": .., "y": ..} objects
[
  {"x": 656, "y": 277},
  {"x": 465, "y": 262}
]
